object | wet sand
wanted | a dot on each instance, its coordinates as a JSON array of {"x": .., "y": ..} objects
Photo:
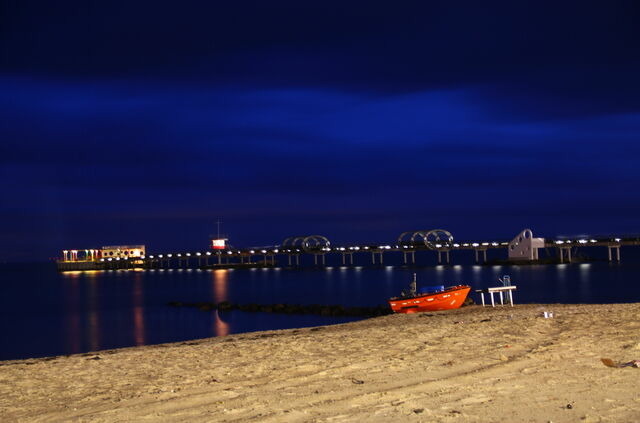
[{"x": 469, "y": 365}]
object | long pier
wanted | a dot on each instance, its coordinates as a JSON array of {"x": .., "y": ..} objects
[{"x": 290, "y": 251}]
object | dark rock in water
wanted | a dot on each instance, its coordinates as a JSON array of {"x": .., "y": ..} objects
[
  {"x": 293, "y": 309},
  {"x": 323, "y": 310},
  {"x": 252, "y": 307},
  {"x": 225, "y": 306},
  {"x": 206, "y": 306}
]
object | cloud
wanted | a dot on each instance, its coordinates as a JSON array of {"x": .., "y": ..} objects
[{"x": 153, "y": 135}]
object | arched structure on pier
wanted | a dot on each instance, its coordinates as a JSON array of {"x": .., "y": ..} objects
[
  {"x": 433, "y": 239},
  {"x": 525, "y": 247},
  {"x": 308, "y": 243}
]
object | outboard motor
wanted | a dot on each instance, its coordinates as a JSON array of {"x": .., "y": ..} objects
[{"x": 412, "y": 286}]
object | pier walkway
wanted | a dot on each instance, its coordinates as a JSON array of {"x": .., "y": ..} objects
[{"x": 290, "y": 251}]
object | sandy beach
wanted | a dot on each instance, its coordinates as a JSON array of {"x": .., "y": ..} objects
[{"x": 469, "y": 365}]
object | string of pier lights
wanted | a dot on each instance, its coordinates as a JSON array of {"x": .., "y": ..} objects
[
  {"x": 350, "y": 249},
  {"x": 580, "y": 241},
  {"x": 323, "y": 249}
]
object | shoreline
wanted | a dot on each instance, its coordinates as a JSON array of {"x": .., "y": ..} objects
[{"x": 467, "y": 365}]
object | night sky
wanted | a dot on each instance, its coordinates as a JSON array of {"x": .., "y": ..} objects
[{"x": 146, "y": 122}]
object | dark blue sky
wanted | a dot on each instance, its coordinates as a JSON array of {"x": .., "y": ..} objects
[{"x": 145, "y": 122}]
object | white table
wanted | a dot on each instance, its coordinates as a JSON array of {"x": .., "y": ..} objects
[{"x": 499, "y": 289}]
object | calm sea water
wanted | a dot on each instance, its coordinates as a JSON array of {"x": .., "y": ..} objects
[{"x": 43, "y": 312}]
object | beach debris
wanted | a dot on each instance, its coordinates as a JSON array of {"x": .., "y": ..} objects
[
  {"x": 610, "y": 363},
  {"x": 418, "y": 410},
  {"x": 547, "y": 314},
  {"x": 569, "y": 406},
  {"x": 357, "y": 381}
]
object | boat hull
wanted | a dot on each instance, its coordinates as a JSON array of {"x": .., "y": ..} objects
[{"x": 448, "y": 299}]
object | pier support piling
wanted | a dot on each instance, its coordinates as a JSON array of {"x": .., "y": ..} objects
[
  {"x": 564, "y": 252},
  {"x": 411, "y": 254},
  {"x": 344, "y": 258},
  {"x": 617, "y": 248},
  {"x": 446, "y": 255},
  {"x": 484, "y": 255},
  {"x": 618, "y": 253}
]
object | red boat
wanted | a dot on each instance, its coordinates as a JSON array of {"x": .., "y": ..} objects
[{"x": 437, "y": 298}]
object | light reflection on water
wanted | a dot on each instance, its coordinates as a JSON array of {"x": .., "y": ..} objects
[
  {"x": 73, "y": 318},
  {"x": 220, "y": 282},
  {"x": 585, "y": 285},
  {"x": 219, "y": 294},
  {"x": 138, "y": 310}
]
